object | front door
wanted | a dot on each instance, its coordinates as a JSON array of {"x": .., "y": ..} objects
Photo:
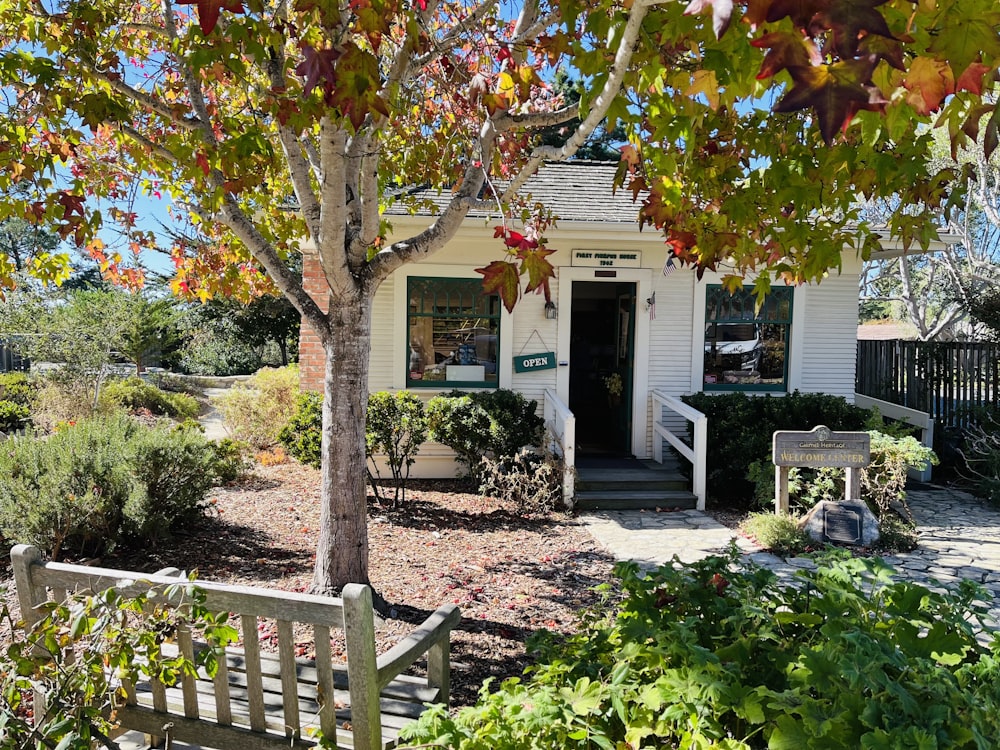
[{"x": 602, "y": 343}]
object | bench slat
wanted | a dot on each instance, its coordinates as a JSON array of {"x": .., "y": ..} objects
[
  {"x": 223, "y": 597},
  {"x": 289, "y": 683},
  {"x": 187, "y": 679},
  {"x": 255, "y": 690},
  {"x": 220, "y": 684},
  {"x": 326, "y": 695}
]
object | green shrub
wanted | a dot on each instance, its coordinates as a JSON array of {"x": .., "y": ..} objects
[
  {"x": 104, "y": 481},
  {"x": 135, "y": 394},
  {"x": 231, "y": 463},
  {"x": 779, "y": 534},
  {"x": 13, "y": 416},
  {"x": 302, "y": 435},
  {"x": 484, "y": 423},
  {"x": 720, "y": 653},
  {"x": 254, "y": 412},
  {"x": 740, "y": 428},
  {"x": 16, "y": 387},
  {"x": 396, "y": 427},
  {"x": 177, "y": 467}
]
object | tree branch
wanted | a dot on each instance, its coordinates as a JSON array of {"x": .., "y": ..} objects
[
  {"x": 147, "y": 100},
  {"x": 599, "y": 107}
]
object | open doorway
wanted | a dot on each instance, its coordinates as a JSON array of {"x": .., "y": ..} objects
[{"x": 602, "y": 343}]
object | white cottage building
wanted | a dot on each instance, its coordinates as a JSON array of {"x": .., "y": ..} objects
[{"x": 620, "y": 308}]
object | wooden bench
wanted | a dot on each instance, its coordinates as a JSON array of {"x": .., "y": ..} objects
[{"x": 263, "y": 700}]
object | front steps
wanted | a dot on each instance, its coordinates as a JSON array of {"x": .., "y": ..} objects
[{"x": 630, "y": 484}]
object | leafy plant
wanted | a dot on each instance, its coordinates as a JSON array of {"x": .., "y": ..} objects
[
  {"x": 255, "y": 412},
  {"x": 82, "y": 648},
  {"x": 396, "y": 427},
  {"x": 302, "y": 434},
  {"x": 721, "y": 653},
  {"x": 495, "y": 424},
  {"x": 16, "y": 387},
  {"x": 12, "y": 416},
  {"x": 135, "y": 394}
]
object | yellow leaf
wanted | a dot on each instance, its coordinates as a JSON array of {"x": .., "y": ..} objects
[{"x": 705, "y": 83}]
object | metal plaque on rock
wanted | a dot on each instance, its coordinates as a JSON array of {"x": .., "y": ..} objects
[{"x": 841, "y": 525}]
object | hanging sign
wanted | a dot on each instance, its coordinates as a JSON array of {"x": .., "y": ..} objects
[
  {"x": 607, "y": 258},
  {"x": 532, "y": 362}
]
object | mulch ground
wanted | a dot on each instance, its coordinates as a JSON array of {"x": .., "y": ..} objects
[{"x": 509, "y": 574}]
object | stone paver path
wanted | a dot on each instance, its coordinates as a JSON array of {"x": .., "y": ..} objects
[{"x": 959, "y": 537}]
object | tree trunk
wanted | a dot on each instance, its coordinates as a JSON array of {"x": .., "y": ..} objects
[{"x": 342, "y": 551}]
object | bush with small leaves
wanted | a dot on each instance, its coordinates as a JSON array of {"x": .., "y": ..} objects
[
  {"x": 302, "y": 434},
  {"x": 13, "y": 416},
  {"x": 135, "y": 394},
  {"x": 484, "y": 423},
  {"x": 254, "y": 412},
  {"x": 16, "y": 387},
  {"x": 396, "y": 427},
  {"x": 103, "y": 482},
  {"x": 779, "y": 534}
]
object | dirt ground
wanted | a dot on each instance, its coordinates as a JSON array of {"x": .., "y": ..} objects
[{"x": 509, "y": 574}]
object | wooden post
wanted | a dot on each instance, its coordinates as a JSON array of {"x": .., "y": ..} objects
[
  {"x": 439, "y": 668},
  {"x": 852, "y": 487},
  {"x": 362, "y": 667},
  {"x": 780, "y": 490}
]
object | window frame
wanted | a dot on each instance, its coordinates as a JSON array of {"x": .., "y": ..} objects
[
  {"x": 496, "y": 320},
  {"x": 787, "y": 321}
]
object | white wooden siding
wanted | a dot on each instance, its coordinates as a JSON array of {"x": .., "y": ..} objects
[{"x": 829, "y": 336}]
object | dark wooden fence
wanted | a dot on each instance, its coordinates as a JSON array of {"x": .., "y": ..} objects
[
  {"x": 10, "y": 360},
  {"x": 942, "y": 378}
]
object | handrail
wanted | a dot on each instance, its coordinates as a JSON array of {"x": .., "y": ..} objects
[
  {"x": 915, "y": 417},
  {"x": 562, "y": 426},
  {"x": 695, "y": 453}
]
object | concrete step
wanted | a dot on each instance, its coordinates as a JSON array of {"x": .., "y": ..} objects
[{"x": 633, "y": 499}]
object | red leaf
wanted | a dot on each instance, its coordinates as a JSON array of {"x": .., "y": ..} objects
[
  {"x": 836, "y": 92},
  {"x": 501, "y": 277},
  {"x": 972, "y": 78},
  {"x": 785, "y": 50},
  {"x": 202, "y": 161},
  {"x": 72, "y": 204},
  {"x": 317, "y": 68},
  {"x": 208, "y": 11}
]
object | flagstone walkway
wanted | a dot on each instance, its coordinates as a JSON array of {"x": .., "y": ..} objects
[{"x": 959, "y": 537}]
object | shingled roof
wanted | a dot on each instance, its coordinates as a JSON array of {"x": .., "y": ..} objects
[{"x": 572, "y": 190}]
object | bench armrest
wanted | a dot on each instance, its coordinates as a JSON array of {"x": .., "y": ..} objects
[{"x": 432, "y": 631}]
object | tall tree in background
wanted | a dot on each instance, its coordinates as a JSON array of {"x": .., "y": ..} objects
[
  {"x": 230, "y": 107},
  {"x": 948, "y": 292}
]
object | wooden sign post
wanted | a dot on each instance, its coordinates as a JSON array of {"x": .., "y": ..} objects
[{"x": 819, "y": 448}]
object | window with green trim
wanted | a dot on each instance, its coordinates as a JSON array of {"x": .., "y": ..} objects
[
  {"x": 747, "y": 349},
  {"x": 453, "y": 333}
]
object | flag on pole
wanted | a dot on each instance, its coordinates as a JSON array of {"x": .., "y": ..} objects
[{"x": 668, "y": 267}]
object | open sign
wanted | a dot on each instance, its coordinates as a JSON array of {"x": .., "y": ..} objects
[{"x": 532, "y": 362}]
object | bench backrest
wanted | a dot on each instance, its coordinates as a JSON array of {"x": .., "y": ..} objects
[{"x": 38, "y": 581}]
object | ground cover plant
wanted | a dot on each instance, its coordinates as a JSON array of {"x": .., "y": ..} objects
[{"x": 720, "y": 653}]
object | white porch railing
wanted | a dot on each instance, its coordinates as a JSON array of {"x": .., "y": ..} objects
[
  {"x": 694, "y": 453},
  {"x": 920, "y": 419},
  {"x": 562, "y": 427}
]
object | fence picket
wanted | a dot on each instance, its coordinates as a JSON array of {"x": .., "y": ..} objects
[{"x": 943, "y": 378}]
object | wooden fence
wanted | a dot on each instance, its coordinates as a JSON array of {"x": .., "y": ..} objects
[
  {"x": 10, "y": 360},
  {"x": 942, "y": 378}
]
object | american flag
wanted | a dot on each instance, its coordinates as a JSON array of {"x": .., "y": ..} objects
[{"x": 668, "y": 267}]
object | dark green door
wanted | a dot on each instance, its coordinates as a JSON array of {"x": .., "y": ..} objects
[{"x": 601, "y": 366}]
